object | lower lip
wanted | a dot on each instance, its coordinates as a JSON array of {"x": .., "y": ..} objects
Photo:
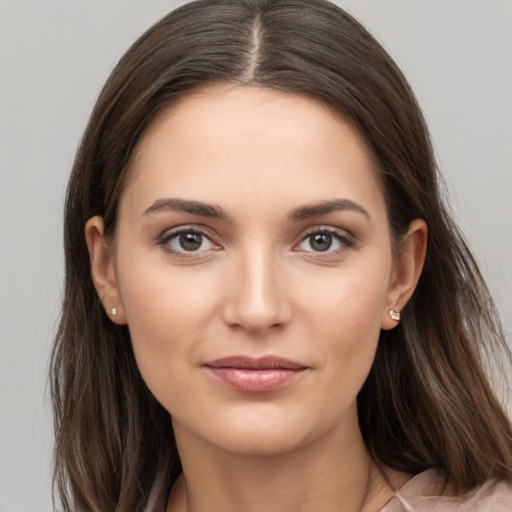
[{"x": 255, "y": 381}]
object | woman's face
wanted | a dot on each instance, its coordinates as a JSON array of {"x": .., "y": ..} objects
[{"x": 253, "y": 266}]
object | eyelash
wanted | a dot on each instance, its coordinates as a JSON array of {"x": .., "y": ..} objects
[
  {"x": 345, "y": 240},
  {"x": 168, "y": 236}
]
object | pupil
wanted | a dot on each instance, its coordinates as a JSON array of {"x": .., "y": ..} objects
[
  {"x": 321, "y": 242},
  {"x": 191, "y": 241}
]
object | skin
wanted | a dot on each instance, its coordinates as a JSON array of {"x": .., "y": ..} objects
[{"x": 257, "y": 285}]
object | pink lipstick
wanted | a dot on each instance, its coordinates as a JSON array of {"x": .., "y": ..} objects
[{"x": 250, "y": 375}]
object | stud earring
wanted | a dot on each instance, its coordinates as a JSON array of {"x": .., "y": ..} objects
[
  {"x": 113, "y": 312},
  {"x": 395, "y": 315}
]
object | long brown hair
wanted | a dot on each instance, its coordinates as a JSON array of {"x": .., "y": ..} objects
[{"x": 427, "y": 401}]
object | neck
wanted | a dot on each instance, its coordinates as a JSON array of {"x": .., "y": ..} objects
[{"x": 333, "y": 473}]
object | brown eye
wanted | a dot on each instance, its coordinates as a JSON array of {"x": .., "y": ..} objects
[
  {"x": 190, "y": 241},
  {"x": 320, "y": 242},
  {"x": 327, "y": 241},
  {"x": 187, "y": 241}
]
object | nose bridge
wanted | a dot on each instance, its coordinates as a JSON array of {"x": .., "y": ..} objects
[{"x": 257, "y": 298}]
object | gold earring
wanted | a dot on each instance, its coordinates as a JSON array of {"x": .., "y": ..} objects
[
  {"x": 113, "y": 311},
  {"x": 395, "y": 315}
]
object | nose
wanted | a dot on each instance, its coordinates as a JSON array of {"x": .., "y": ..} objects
[{"x": 256, "y": 298}]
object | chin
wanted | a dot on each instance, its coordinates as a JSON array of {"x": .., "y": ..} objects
[
  {"x": 262, "y": 431},
  {"x": 263, "y": 442}
]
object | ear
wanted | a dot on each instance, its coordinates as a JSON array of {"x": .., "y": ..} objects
[
  {"x": 407, "y": 267},
  {"x": 101, "y": 256}
]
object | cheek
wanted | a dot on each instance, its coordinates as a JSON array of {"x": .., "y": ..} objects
[
  {"x": 350, "y": 300},
  {"x": 345, "y": 313},
  {"x": 168, "y": 311}
]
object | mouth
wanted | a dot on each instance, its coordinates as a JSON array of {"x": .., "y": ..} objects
[{"x": 250, "y": 375}]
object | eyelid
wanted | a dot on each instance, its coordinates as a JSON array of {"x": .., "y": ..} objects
[
  {"x": 346, "y": 239},
  {"x": 168, "y": 234},
  {"x": 341, "y": 235}
]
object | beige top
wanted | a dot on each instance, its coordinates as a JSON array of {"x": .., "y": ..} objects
[{"x": 429, "y": 492}]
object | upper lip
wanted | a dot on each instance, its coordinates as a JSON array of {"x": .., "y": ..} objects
[{"x": 251, "y": 363}]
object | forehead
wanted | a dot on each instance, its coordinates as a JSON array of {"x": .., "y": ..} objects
[{"x": 227, "y": 143}]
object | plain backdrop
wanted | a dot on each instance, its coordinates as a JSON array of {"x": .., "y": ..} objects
[{"x": 55, "y": 56}]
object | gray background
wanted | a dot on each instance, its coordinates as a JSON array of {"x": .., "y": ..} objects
[{"x": 54, "y": 57}]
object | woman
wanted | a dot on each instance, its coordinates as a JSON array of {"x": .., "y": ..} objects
[{"x": 267, "y": 306}]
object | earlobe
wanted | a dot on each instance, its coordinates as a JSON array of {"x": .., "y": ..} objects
[
  {"x": 101, "y": 256},
  {"x": 408, "y": 266}
]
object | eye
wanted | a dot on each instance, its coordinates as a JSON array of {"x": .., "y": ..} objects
[
  {"x": 325, "y": 241},
  {"x": 187, "y": 241}
]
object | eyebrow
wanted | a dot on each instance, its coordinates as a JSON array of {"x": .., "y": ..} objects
[
  {"x": 193, "y": 207},
  {"x": 216, "y": 212},
  {"x": 323, "y": 208}
]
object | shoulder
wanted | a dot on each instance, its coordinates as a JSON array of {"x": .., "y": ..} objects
[{"x": 429, "y": 491}]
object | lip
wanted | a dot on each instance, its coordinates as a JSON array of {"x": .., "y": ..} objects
[{"x": 255, "y": 375}]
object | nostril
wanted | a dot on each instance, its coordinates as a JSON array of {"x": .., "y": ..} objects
[{"x": 256, "y": 314}]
